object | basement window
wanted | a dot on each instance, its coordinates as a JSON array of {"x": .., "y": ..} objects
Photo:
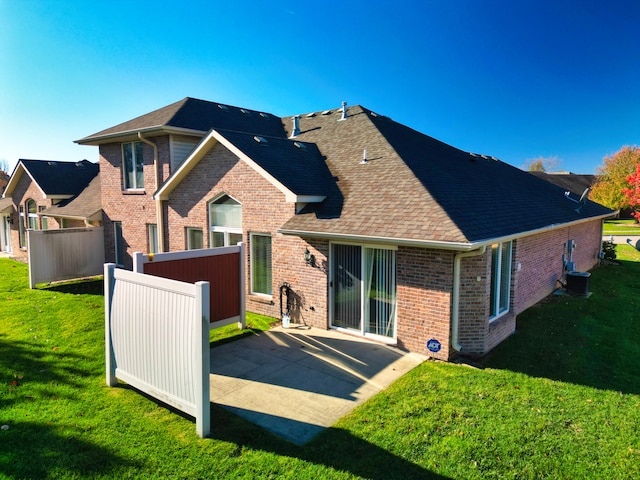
[{"x": 500, "y": 279}]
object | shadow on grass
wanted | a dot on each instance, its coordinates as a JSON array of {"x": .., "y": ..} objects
[
  {"x": 22, "y": 363},
  {"x": 591, "y": 341},
  {"x": 85, "y": 287},
  {"x": 33, "y": 450},
  {"x": 334, "y": 448}
]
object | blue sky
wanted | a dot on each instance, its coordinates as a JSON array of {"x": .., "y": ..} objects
[{"x": 513, "y": 79}]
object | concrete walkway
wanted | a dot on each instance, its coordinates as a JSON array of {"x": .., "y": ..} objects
[{"x": 295, "y": 382}]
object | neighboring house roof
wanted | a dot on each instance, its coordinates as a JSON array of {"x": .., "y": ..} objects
[
  {"x": 54, "y": 179},
  {"x": 86, "y": 205},
  {"x": 573, "y": 182},
  {"x": 191, "y": 115}
]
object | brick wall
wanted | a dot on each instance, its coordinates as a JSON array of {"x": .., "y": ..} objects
[
  {"x": 25, "y": 190},
  {"x": 425, "y": 282},
  {"x": 264, "y": 210},
  {"x": 134, "y": 209}
]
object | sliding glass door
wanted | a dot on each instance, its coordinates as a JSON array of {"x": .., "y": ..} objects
[{"x": 364, "y": 289}]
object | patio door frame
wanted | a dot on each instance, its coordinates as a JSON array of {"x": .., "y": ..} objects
[
  {"x": 5, "y": 234},
  {"x": 362, "y": 330}
]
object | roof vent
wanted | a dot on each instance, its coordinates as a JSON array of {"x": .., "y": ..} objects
[
  {"x": 223, "y": 107},
  {"x": 300, "y": 145},
  {"x": 260, "y": 140},
  {"x": 344, "y": 111},
  {"x": 312, "y": 114},
  {"x": 244, "y": 111},
  {"x": 52, "y": 164},
  {"x": 364, "y": 157},
  {"x": 326, "y": 112},
  {"x": 262, "y": 114},
  {"x": 296, "y": 126}
]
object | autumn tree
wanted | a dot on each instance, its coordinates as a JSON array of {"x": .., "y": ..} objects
[
  {"x": 612, "y": 178},
  {"x": 632, "y": 192}
]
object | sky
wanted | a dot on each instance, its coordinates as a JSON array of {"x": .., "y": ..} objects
[{"x": 517, "y": 80}]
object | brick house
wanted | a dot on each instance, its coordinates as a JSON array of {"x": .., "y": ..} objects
[
  {"x": 352, "y": 221},
  {"x": 34, "y": 194}
]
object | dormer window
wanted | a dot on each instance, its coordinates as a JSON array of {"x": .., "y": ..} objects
[{"x": 132, "y": 166}]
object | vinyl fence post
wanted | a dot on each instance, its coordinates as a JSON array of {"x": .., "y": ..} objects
[
  {"x": 138, "y": 262},
  {"x": 243, "y": 314},
  {"x": 110, "y": 361},
  {"x": 203, "y": 367}
]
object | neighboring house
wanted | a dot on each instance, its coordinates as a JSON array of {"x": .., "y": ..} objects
[
  {"x": 572, "y": 182},
  {"x": 351, "y": 220},
  {"x": 35, "y": 189}
]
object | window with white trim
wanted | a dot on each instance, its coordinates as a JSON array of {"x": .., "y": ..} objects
[
  {"x": 225, "y": 218},
  {"x": 261, "y": 264},
  {"x": 119, "y": 245},
  {"x": 23, "y": 236},
  {"x": 500, "y": 279},
  {"x": 32, "y": 215},
  {"x": 152, "y": 237},
  {"x": 132, "y": 166},
  {"x": 43, "y": 219},
  {"x": 194, "y": 238}
]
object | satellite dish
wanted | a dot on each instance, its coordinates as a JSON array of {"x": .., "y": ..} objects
[{"x": 583, "y": 198}]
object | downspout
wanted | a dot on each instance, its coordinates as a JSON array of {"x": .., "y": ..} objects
[
  {"x": 455, "y": 304},
  {"x": 156, "y": 174}
]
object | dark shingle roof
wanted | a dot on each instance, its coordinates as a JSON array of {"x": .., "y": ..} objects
[
  {"x": 417, "y": 188},
  {"x": 61, "y": 178},
  {"x": 200, "y": 115},
  {"x": 85, "y": 204},
  {"x": 297, "y": 165}
]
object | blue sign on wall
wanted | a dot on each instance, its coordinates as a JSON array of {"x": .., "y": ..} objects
[{"x": 434, "y": 345}]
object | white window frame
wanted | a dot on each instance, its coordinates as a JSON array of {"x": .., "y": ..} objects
[
  {"x": 226, "y": 231},
  {"x": 22, "y": 227},
  {"x": 118, "y": 243},
  {"x": 188, "y": 232},
  {"x": 497, "y": 281},
  {"x": 135, "y": 185},
  {"x": 152, "y": 238},
  {"x": 32, "y": 217},
  {"x": 44, "y": 220},
  {"x": 252, "y": 236}
]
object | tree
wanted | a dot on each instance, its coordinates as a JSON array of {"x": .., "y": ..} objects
[
  {"x": 612, "y": 178},
  {"x": 4, "y": 166},
  {"x": 542, "y": 164},
  {"x": 632, "y": 192}
]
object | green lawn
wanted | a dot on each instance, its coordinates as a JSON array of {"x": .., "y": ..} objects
[
  {"x": 621, "y": 227},
  {"x": 560, "y": 399}
]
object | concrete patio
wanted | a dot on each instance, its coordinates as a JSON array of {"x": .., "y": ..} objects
[{"x": 296, "y": 382}]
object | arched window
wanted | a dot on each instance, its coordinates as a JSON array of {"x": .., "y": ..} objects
[
  {"x": 225, "y": 218},
  {"x": 32, "y": 212}
]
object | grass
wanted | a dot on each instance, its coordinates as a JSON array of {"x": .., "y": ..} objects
[
  {"x": 560, "y": 399},
  {"x": 621, "y": 227}
]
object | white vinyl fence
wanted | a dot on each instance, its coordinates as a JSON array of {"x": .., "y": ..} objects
[
  {"x": 65, "y": 254},
  {"x": 157, "y": 339}
]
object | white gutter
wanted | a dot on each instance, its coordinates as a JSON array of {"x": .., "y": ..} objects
[
  {"x": 156, "y": 173},
  {"x": 455, "y": 301},
  {"x": 442, "y": 245},
  {"x": 155, "y": 130}
]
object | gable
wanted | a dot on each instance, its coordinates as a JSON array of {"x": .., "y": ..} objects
[{"x": 297, "y": 172}]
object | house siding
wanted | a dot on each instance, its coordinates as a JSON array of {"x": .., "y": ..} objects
[
  {"x": 134, "y": 209},
  {"x": 27, "y": 189},
  {"x": 425, "y": 283},
  {"x": 264, "y": 210}
]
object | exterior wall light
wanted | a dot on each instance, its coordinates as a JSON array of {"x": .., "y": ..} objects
[{"x": 309, "y": 258}]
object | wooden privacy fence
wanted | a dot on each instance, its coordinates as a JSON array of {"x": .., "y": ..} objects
[
  {"x": 157, "y": 339},
  {"x": 222, "y": 267},
  {"x": 64, "y": 254}
]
